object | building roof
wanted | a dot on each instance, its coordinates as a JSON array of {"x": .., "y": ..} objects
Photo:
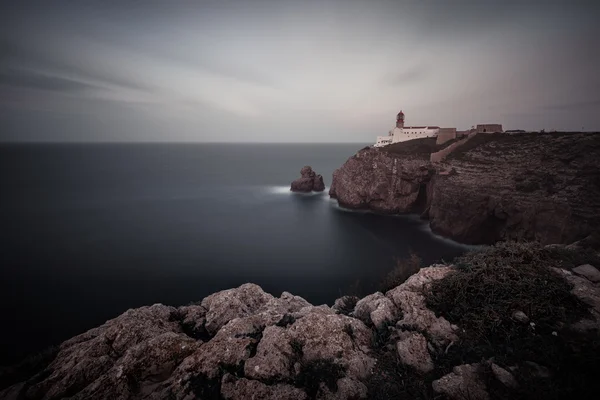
[{"x": 421, "y": 127}]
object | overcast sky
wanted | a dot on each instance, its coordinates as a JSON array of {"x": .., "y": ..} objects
[{"x": 292, "y": 71}]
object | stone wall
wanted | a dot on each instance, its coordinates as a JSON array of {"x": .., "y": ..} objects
[
  {"x": 445, "y": 135},
  {"x": 440, "y": 155},
  {"x": 489, "y": 128}
]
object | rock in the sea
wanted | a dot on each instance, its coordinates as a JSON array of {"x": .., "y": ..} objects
[{"x": 309, "y": 181}]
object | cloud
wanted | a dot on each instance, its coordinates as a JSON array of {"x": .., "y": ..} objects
[
  {"x": 575, "y": 105},
  {"x": 23, "y": 78},
  {"x": 411, "y": 75}
]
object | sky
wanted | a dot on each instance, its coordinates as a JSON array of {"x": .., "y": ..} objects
[{"x": 292, "y": 71}]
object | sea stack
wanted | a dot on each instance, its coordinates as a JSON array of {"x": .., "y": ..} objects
[{"x": 309, "y": 181}]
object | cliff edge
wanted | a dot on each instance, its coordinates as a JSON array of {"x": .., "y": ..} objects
[
  {"x": 433, "y": 335},
  {"x": 525, "y": 186}
]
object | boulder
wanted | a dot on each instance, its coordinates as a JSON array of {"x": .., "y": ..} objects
[
  {"x": 589, "y": 272},
  {"x": 309, "y": 181},
  {"x": 246, "y": 389},
  {"x": 520, "y": 316},
  {"x": 410, "y": 301},
  {"x": 504, "y": 377},
  {"x": 464, "y": 382},
  {"x": 376, "y": 310},
  {"x": 226, "y": 305},
  {"x": 412, "y": 351}
]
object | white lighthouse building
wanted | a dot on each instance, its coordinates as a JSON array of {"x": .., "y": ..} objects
[{"x": 403, "y": 133}]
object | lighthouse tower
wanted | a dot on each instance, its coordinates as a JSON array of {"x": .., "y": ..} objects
[{"x": 400, "y": 120}]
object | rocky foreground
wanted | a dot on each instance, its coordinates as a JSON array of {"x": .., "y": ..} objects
[
  {"x": 414, "y": 341},
  {"x": 525, "y": 186}
]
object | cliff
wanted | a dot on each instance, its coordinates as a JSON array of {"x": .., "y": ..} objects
[
  {"x": 422, "y": 338},
  {"x": 532, "y": 186}
]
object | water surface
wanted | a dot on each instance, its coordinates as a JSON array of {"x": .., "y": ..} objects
[{"x": 88, "y": 231}]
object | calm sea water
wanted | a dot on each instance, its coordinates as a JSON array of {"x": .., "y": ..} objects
[{"x": 88, "y": 231}]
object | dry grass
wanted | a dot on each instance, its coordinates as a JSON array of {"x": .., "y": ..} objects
[
  {"x": 490, "y": 285},
  {"x": 417, "y": 148},
  {"x": 403, "y": 270}
]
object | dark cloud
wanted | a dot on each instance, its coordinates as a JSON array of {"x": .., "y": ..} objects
[
  {"x": 575, "y": 105},
  {"x": 34, "y": 80},
  {"x": 23, "y": 58},
  {"x": 289, "y": 69}
]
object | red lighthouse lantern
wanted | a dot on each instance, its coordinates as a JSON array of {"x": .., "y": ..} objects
[{"x": 400, "y": 120}]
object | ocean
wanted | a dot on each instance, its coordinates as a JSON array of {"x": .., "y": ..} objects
[{"x": 90, "y": 230}]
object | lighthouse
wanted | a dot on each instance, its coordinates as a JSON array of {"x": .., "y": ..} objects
[
  {"x": 400, "y": 120},
  {"x": 401, "y": 133}
]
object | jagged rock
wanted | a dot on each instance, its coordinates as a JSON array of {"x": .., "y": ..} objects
[
  {"x": 415, "y": 314},
  {"x": 228, "y": 304},
  {"x": 12, "y": 392},
  {"x": 520, "y": 316},
  {"x": 274, "y": 356},
  {"x": 504, "y": 377},
  {"x": 380, "y": 181},
  {"x": 589, "y": 272},
  {"x": 335, "y": 337},
  {"x": 376, "y": 309},
  {"x": 246, "y": 389},
  {"x": 308, "y": 182},
  {"x": 588, "y": 293},
  {"x": 346, "y": 389},
  {"x": 318, "y": 184},
  {"x": 345, "y": 304},
  {"x": 538, "y": 370},
  {"x": 463, "y": 382},
  {"x": 412, "y": 351}
]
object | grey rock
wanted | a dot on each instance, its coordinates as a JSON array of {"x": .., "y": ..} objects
[
  {"x": 376, "y": 309},
  {"x": 538, "y": 370},
  {"x": 504, "y": 377},
  {"x": 309, "y": 181},
  {"x": 302, "y": 185},
  {"x": 345, "y": 304},
  {"x": 415, "y": 314},
  {"x": 589, "y": 272},
  {"x": 246, "y": 389},
  {"x": 463, "y": 382},
  {"x": 228, "y": 304},
  {"x": 346, "y": 389},
  {"x": 520, "y": 316},
  {"x": 335, "y": 337},
  {"x": 412, "y": 351},
  {"x": 318, "y": 184},
  {"x": 274, "y": 356}
]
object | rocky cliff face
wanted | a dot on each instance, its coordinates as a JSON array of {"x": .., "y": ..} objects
[
  {"x": 543, "y": 187},
  {"x": 382, "y": 181}
]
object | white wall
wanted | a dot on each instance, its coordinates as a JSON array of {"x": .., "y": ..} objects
[{"x": 402, "y": 135}]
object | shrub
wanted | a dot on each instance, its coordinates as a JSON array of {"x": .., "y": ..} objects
[
  {"x": 485, "y": 290},
  {"x": 402, "y": 271}
]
